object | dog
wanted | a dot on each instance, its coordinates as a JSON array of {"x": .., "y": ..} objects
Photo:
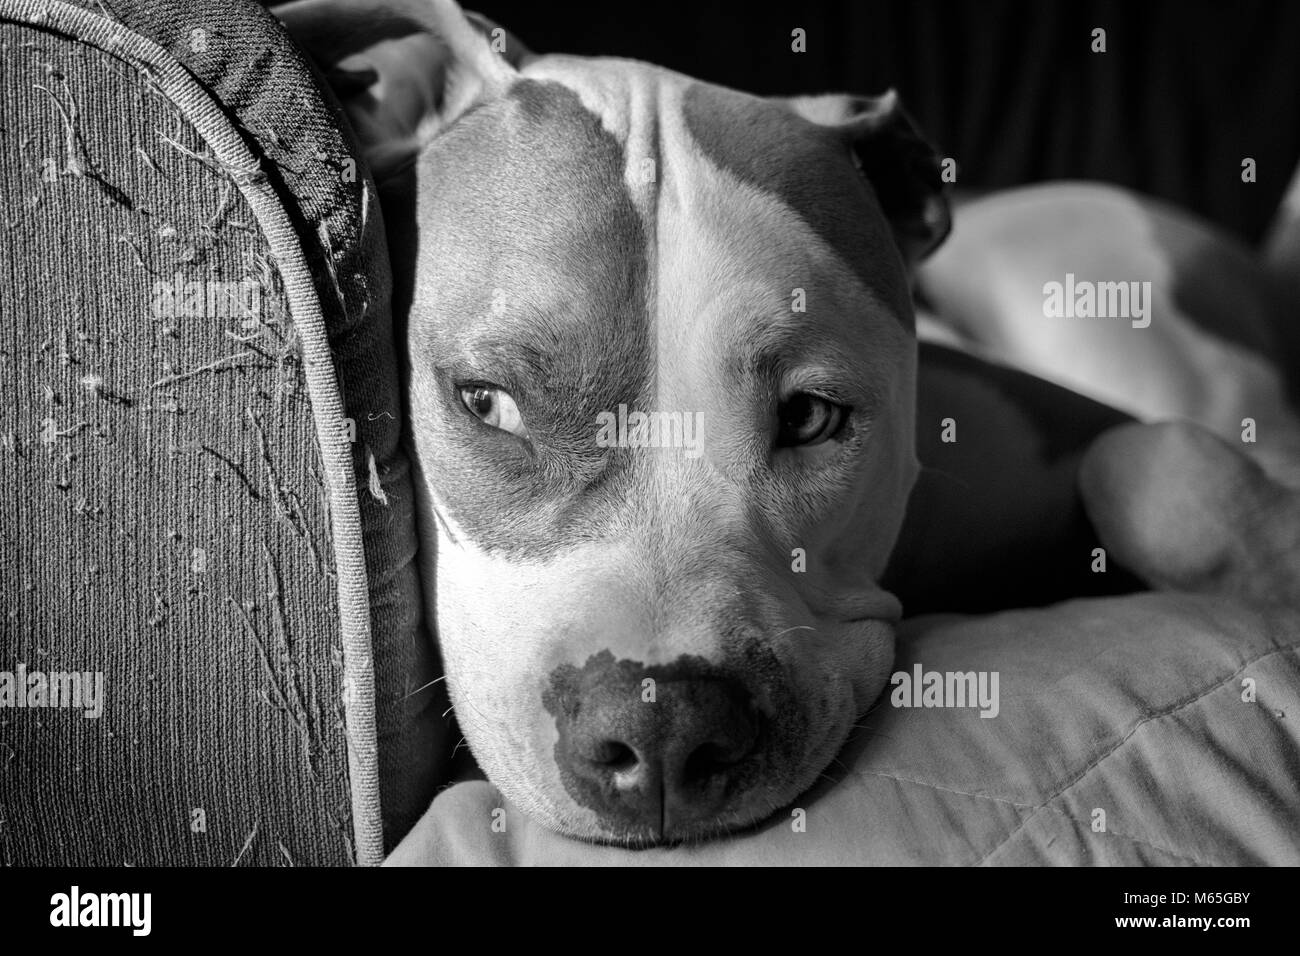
[{"x": 663, "y": 384}]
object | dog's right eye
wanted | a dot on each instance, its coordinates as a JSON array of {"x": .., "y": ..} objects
[{"x": 494, "y": 407}]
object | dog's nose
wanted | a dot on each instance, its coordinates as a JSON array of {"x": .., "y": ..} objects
[{"x": 657, "y": 759}]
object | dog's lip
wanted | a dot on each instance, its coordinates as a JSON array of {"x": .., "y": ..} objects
[
  {"x": 879, "y": 607},
  {"x": 695, "y": 834}
]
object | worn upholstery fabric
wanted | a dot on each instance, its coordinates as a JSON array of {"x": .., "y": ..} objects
[
  {"x": 1132, "y": 706},
  {"x": 185, "y": 496}
]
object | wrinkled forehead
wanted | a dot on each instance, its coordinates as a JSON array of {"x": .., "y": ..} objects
[
  {"x": 595, "y": 166},
  {"x": 680, "y": 128}
]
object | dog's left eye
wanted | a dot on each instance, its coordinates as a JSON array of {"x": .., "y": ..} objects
[
  {"x": 806, "y": 419},
  {"x": 494, "y": 407}
]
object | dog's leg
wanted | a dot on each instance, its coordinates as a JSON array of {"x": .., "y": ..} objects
[{"x": 1188, "y": 511}]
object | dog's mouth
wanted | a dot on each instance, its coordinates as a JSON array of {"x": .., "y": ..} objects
[{"x": 694, "y": 834}]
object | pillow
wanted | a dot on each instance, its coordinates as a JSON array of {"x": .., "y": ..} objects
[{"x": 1157, "y": 728}]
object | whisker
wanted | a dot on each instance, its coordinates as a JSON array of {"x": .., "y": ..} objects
[
  {"x": 946, "y": 474},
  {"x": 425, "y": 687},
  {"x": 797, "y": 627}
]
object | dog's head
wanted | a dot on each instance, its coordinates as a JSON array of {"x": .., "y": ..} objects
[{"x": 662, "y": 367}]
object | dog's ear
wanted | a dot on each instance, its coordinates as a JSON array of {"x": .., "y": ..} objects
[
  {"x": 404, "y": 70},
  {"x": 901, "y": 166}
]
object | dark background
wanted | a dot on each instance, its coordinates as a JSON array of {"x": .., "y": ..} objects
[{"x": 1009, "y": 88}]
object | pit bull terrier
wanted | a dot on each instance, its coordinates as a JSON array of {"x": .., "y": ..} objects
[{"x": 648, "y": 640}]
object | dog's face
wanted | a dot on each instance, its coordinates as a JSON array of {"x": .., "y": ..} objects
[{"x": 659, "y": 628}]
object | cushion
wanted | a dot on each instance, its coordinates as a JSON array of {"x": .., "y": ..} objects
[{"x": 1156, "y": 728}]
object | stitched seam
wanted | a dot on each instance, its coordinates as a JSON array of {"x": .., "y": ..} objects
[
  {"x": 1030, "y": 806},
  {"x": 935, "y": 786},
  {"x": 1017, "y": 803},
  {"x": 352, "y": 599},
  {"x": 1109, "y": 832},
  {"x": 1169, "y": 711}
]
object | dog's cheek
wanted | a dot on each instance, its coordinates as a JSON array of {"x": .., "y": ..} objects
[
  {"x": 489, "y": 646},
  {"x": 838, "y": 674},
  {"x": 869, "y": 656},
  {"x": 876, "y": 512}
]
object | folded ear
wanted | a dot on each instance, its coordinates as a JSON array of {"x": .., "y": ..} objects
[
  {"x": 903, "y": 169},
  {"x": 404, "y": 70},
  {"x": 501, "y": 40}
]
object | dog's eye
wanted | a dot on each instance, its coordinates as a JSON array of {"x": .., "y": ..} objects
[
  {"x": 805, "y": 419},
  {"x": 495, "y": 407}
]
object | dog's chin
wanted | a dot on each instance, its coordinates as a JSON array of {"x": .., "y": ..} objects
[{"x": 693, "y": 835}]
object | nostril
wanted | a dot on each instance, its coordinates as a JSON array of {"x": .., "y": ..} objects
[
  {"x": 708, "y": 760},
  {"x": 616, "y": 756}
]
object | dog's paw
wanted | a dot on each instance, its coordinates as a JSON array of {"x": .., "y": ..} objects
[{"x": 1186, "y": 511}]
